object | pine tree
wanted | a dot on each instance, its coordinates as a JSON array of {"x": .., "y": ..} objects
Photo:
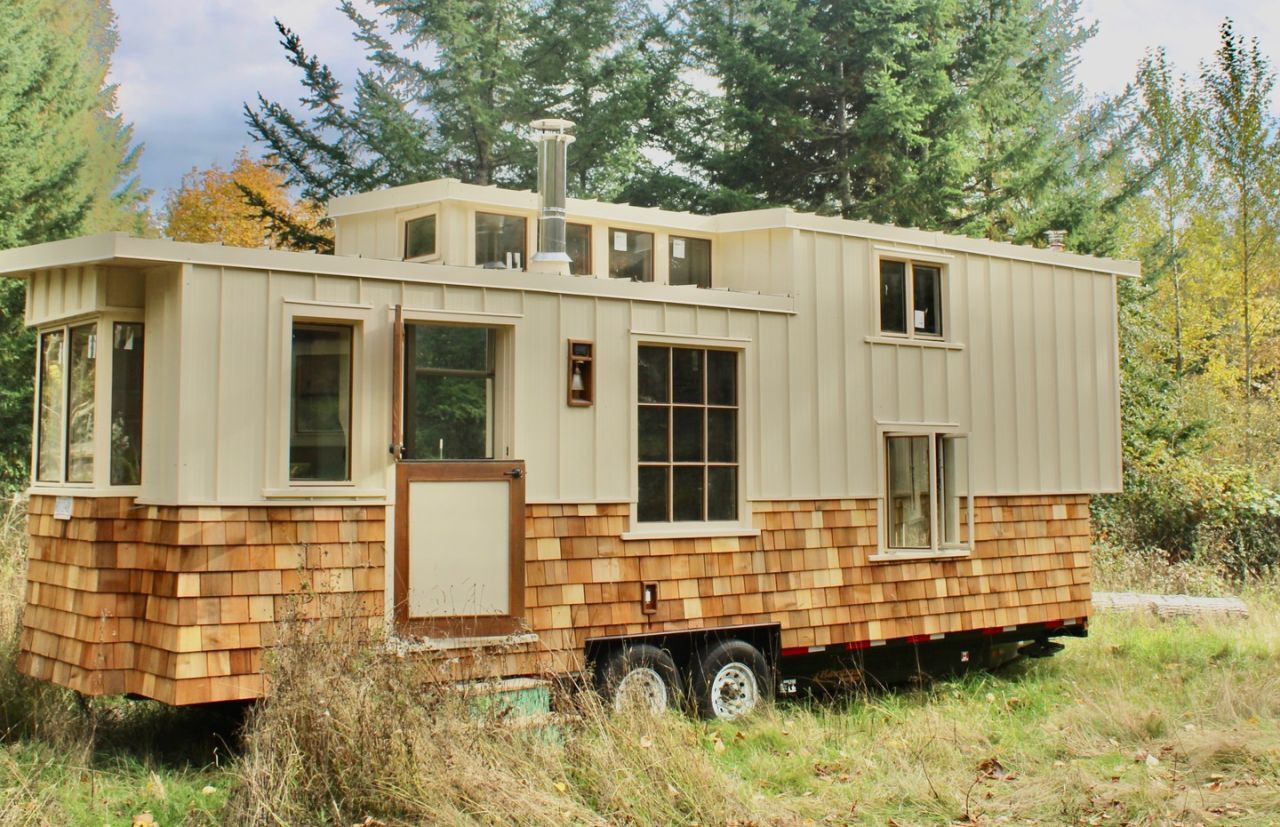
[
  {"x": 449, "y": 89},
  {"x": 66, "y": 163}
]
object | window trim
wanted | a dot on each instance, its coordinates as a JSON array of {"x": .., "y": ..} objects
[
  {"x": 279, "y": 407},
  {"x": 102, "y": 377},
  {"x": 742, "y": 526},
  {"x": 402, "y": 232},
  {"x": 652, "y": 274},
  {"x": 530, "y": 220},
  {"x": 910, "y": 262},
  {"x": 937, "y": 549}
]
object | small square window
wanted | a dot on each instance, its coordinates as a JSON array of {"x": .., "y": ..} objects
[
  {"x": 690, "y": 261},
  {"x": 500, "y": 241},
  {"x": 910, "y": 298},
  {"x": 420, "y": 237},
  {"x": 630, "y": 255}
]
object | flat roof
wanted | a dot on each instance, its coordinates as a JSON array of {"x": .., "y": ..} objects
[{"x": 411, "y": 196}]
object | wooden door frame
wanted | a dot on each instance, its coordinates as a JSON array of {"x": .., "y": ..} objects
[{"x": 510, "y": 471}]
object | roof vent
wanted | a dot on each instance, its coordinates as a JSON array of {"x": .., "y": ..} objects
[
  {"x": 553, "y": 139},
  {"x": 1057, "y": 240}
]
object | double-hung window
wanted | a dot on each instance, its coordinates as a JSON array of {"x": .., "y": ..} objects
[
  {"x": 910, "y": 299},
  {"x": 927, "y": 500},
  {"x": 688, "y": 434}
]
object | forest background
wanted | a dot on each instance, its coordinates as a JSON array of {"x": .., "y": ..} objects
[{"x": 957, "y": 115}]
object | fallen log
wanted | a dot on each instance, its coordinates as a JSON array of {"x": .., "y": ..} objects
[{"x": 1171, "y": 605}]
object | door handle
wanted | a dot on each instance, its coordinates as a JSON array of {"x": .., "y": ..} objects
[{"x": 514, "y": 473}]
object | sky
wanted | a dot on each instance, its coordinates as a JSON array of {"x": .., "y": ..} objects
[{"x": 186, "y": 68}]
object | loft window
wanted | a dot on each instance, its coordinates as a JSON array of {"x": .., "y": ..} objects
[
  {"x": 688, "y": 434},
  {"x": 52, "y": 375},
  {"x": 927, "y": 492},
  {"x": 420, "y": 237},
  {"x": 320, "y": 432},
  {"x": 449, "y": 391},
  {"x": 500, "y": 241},
  {"x": 910, "y": 298},
  {"x": 690, "y": 261},
  {"x": 577, "y": 239},
  {"x": 126, "y": 403},
  {"x": 630, "y": 255}
]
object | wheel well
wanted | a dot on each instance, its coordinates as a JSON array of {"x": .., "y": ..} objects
[{"x": 683, "y": 644}]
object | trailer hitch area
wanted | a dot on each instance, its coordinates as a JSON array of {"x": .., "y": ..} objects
[{"x": 1041, "y": 648}]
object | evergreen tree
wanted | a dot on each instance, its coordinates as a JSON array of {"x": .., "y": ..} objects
[
  {"x": 450, "y": 87},
  {"x": 66, "y": 162}
]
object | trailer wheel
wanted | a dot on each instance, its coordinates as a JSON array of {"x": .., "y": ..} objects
[
  {"x": 641, "y": 676},
  {"x": 731, "y": 679}
]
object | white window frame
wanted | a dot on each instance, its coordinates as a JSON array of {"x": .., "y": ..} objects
[
  {"x": 937, "y": 549},
  {"x": 911, "y": 259},
  {"x": 742, "y": 526},
  {"x": 402, "y": 232}
]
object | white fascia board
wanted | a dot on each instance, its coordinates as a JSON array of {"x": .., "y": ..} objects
[{"x": 125, "y": 250}]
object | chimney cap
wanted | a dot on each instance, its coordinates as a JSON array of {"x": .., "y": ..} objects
[
  {"x": 1057, "y": 239},
  {"x": 554, "y": 126}
]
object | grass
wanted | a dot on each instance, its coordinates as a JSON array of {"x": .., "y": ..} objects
[{"x": 1146, "y": 722}]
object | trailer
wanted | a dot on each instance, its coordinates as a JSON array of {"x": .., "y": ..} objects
[{"x": 689, "y": 454}]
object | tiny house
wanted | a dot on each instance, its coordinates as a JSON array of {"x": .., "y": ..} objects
[{"x": 695, "y": 453}]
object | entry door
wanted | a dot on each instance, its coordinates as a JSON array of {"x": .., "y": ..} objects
[
  {"x": 459, "y": 556},
  {"x": 459, "y": 548}
]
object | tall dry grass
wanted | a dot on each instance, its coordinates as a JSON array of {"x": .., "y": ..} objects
[{"x": 352, "y": 731}]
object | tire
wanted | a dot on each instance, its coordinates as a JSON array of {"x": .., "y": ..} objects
[
  {"x": 641, "y": 676},
  {"x": 730, "y": 679}
]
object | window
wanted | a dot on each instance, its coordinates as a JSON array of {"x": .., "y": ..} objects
[
  {"x": 320, "y": 432},
  {"x": 81, "y": 379},
  {"x": 690, "y": 261},
  {"x": 577, "y": 239},
  {"x": 420, "y": 237},
  {"x": 49, "y": 439},
  {"x": 630, "y": 255},
  {"x": 910, "y": 298},
  {"x": 687, "y": 445},
  {"x": 126, "y": 403},
  {"x": 927, "y": 492},
  {"x": 449, "y": 392},
  {"x": 500, "y": 241}
]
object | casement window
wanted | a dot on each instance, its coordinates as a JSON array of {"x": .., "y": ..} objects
[
  {"x": 449, "y": 410},
  {"x": 910, "y": 298},
  {"x": 690, "y": 261},
  {"x": 67, "y": 435},
  {"x": 577, "y": 238},
  {"x": 927, "y": 501},
  {"x": 630, "y": 255},
  {"x": 687, "y": 441},
  {"x": 500, "y": 241},
  {"x": 320, "y": 402},
  {"x": 420, "y": 237}
]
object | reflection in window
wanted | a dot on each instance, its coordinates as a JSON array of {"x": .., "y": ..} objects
[
  {"x": 910, "y": 294},
  {"x": 690, "y": 261},
  {"x": 578, "y": 247},
  {"x": 126, "y": 404},
  {"x": 687, "y": 444},
  {"x": 910, "y": 509},
  {"x": 49, "y": 438},
  {"x": 449, "y": 388},
  {"x": 320, "y": 438},
  {"x": 500, "y": 241},
  {"x": 82, "y": 360},
  {"x": 420, "y": 237},
  {"x": 630, "y": 255}
]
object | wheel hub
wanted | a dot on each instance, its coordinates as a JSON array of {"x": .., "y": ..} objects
[
  {"x": 734, "y": 691},
  {"x": 641, "y": 688}
]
